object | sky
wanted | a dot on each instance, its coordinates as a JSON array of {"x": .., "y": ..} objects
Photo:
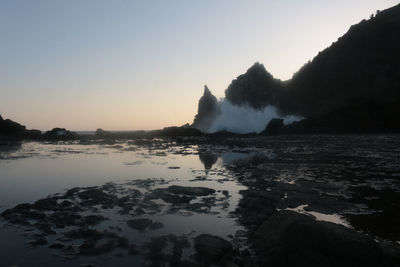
[{"x": 129, "y": 65}]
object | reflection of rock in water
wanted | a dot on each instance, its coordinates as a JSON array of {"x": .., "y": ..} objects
[
  {"x": 208, "y": 159},
  {"x": 231, "y": 157}
]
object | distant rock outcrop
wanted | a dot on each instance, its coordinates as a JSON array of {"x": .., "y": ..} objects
[
  {"x": 60, "y": 134},
  {"x": 207, "y": 111},
  {"x": 13, "y": 130},
  {"x": 100, "y": 133}
]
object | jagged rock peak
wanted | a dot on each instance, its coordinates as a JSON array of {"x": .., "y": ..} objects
[
  {"x": 259, "y": 69},
  {"x": 256, "y": 88},
  {"x": 207, "y": 91},
  {"x": 207, "y": 102},
  {"x": 207, "y": 110}
]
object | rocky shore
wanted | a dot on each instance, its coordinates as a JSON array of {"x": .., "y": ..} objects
[{"x": 309, "y": 201}]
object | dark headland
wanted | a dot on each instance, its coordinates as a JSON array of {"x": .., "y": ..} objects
[{"x": 353, "y": 86}]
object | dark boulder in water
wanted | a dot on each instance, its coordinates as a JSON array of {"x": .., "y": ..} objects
[
  {"x": 207, "y": 111},
  {"x": 293, "y": 239},
  {"x": 60, "y": 134}
]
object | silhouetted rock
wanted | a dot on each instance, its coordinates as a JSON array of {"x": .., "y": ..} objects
[
  {"x": 207, "y": 111},
  {"x": 100, "y": 133},
  {"x": 361, "y": 116},
  {"x": 274, "y": 127},
  {"x": 362, "y": 64},
  {"x": 256, "y": 87},
  {"x": 255, "y": 207},
  {"x": 33, "y": 134},
  {"x": 12, "y": 130},
  {"x": 293, "y": 239},
  {"x": 60, "y": 134}
]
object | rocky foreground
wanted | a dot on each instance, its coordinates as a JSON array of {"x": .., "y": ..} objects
[{"x": 310, "y": 201}]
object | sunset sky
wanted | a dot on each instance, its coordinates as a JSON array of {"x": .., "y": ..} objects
[{"x": 126, "y": 65}]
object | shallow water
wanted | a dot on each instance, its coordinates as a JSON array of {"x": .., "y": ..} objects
[{"x": 36, "y": 170}]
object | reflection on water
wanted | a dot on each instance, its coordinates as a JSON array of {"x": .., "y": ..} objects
[{"x": 208, "y": 159}]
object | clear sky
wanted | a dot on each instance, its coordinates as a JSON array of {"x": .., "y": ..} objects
[{"x": 126, "y": 65}]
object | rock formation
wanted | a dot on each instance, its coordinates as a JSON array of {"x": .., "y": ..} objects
[
  {"x": 353, "y": 86},
  {"x": 60, "y": 134},
  {"x": 13, "y": 130},
  {"x": 207, "y": 111},
  {"x": 256, "y": 88}
]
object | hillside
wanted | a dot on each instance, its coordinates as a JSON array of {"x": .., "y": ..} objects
[{"x": 361, "y": 66}]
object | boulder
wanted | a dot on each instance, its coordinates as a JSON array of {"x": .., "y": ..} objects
[
  {"x": 60, "y": 134},
  {"x": 292, "y": 239}
]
